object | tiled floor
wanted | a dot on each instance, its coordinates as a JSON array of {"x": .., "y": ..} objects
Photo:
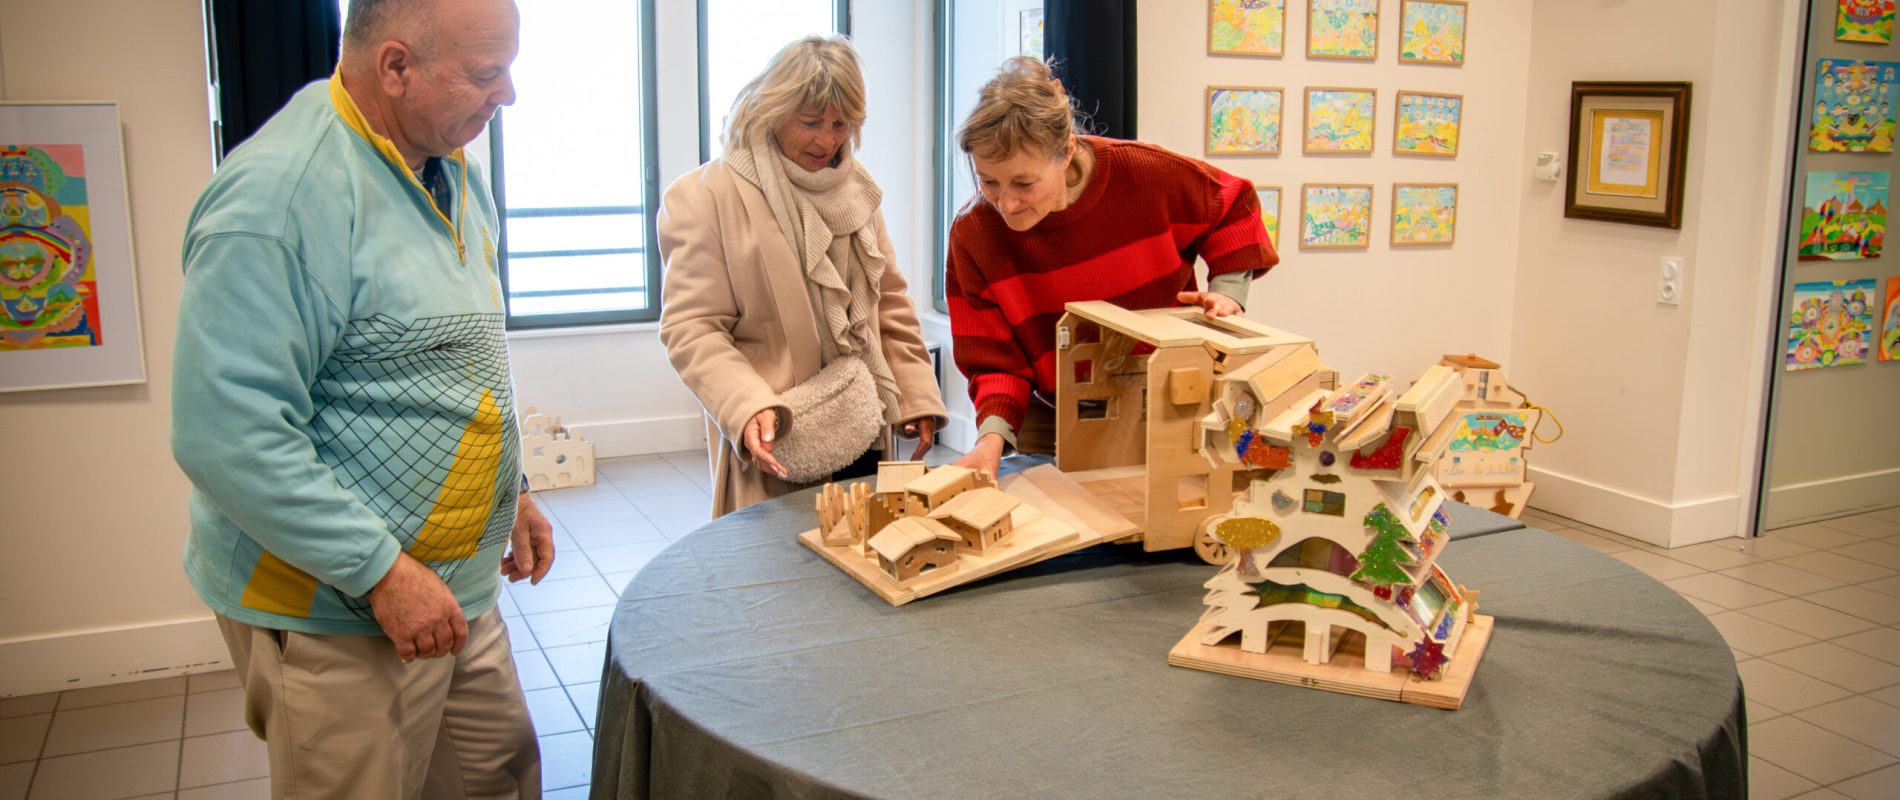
[{"x": 1812, "y": 613}]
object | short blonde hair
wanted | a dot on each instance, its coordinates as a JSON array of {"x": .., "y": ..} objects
[
  {"x": 1024, "y": 106},
  {"x": 812, "y": 74}
]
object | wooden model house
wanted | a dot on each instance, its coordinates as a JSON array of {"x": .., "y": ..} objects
[
  {"x": 981, "y": 517},
  {"x": 912, "y": 547},
  {"x": 554, "y": 457},
  {"x": 1484, "y": 464}
]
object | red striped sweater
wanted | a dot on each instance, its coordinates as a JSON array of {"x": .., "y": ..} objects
[{"x": 1131, "y": 238}]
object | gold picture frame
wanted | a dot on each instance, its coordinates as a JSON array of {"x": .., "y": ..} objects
[{"x": 1628, "y": 152}]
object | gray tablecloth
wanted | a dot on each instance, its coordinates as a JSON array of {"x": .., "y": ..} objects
[{"x": 741, "y": 665}]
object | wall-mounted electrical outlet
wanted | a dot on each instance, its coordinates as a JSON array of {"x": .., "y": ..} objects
[{"x": 1669, "y": 283}]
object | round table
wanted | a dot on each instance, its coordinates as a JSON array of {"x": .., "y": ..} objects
[{"x": 740, "y": 664}]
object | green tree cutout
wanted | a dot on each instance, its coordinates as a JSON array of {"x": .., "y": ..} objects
[{"x": 1379, "y": 564}]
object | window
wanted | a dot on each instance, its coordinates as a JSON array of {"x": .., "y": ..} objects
[
  {"x": 737, "y": 37},
  {"x": 1320, "y": 501},
  {"x": 973, "y": 38}
]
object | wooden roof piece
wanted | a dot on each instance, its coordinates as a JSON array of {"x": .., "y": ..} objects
[
  {"x": 978, "y": 508},
  {"x": 905, "y": 533},
  {"x": 936, "y": 479},
  {"x": 1471, "y": 360},
  {"x": 1171, "y": 327},
  {"x": 893, "y": 475}
]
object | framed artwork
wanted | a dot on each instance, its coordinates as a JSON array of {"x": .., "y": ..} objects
[
  {"x": 1831, "y": 324},
  {"x": 1628, "y": 152},
  {"x": 1854, "y": 104},
  {"x": 1270, "y": 212},
  {"x": 1342, "y": 29},
  {"x": 1432, "y": 32},
  {"x": 1868, "y": 21},
  {"x": 1487, "y": 448},
  {"x": 1890, "y": 322},
  {"x": 1424, "y": 214},
  {"x": 1339, "y": 120},
  {"x": 66, "y": 275},
  {"x": 1844, "y": 217},
  {"x": 1428, "y": 124},
  {"x": 1246, "y": 27},
  {"x": 1335, "y": 216},
  {"x": 1243, "y": 120}
]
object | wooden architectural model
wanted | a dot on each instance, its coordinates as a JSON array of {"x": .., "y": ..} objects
[
  {"x": 1484, "y": 462},
  {"x": 554, "y": 457}
]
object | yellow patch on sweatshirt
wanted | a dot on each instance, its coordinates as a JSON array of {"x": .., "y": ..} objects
[
  {"x": 279, "y": 588},
  {"x": 455, "y": 525}
]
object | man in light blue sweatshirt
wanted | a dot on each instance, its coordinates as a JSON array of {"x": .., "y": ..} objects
[{"x": 344, "y": 409}]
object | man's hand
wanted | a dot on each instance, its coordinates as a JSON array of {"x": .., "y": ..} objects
[
  {"x": 1213, "y": 304},
  {"x": 925, "y": 432},
  {"x": 417, "y": 611},
  {"x": 758, "y": 439},
  {"x": 985, "y": 456},
  {"x": 530, "y": 546}
]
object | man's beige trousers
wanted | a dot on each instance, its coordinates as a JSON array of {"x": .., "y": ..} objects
[{"x": 344, "y": 717}]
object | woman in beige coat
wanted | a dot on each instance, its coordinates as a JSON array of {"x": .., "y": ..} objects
[{"x": 778, "y": 266}]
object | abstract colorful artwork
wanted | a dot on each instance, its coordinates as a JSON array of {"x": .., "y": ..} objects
[
  {"x": 1854, "y": 104},
  {"x": 1864, "y": 21},
  {"x": 1890, "y": 322},
  {"x": 1427, "y": 124},
  {"x": 1831, "y": 323},
  {"x": 1339, "y": 120},
  {"x": 1270, "y": 212},
  {"x": 1432, "y": 32},
  {"x": 1335, "y": 215},
  {"x": 1342, "y": 29},
  {"x": 47, "y": 282},
  {"x": 1246, "y": 27},
  {"x": 1243, "y": 120},
  {"x": 1845, "y": 216},
  {"x": 1487, "y": 447},
  {"x": 1424, "y": 213}
]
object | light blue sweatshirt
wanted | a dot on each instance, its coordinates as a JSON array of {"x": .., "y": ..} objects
[{"x": 341, "y": 387}]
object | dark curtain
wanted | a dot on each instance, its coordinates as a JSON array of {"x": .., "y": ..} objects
[
  {"x": 1093, "y": 44},
  {"x": 263, "y": 51}
]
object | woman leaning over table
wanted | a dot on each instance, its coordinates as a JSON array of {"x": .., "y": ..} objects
[
  {"x": 778, "y": 268},
  {"x": 1065, "y": 217}
]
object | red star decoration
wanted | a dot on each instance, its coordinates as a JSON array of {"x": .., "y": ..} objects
[{"x": 1427, "y": 658}]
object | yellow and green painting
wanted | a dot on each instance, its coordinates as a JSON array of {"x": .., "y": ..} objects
[
  {"x": 1270, "y": 212},
  {"x": 1854, "y": 104},
  {"x": 1845, "y": 216},
  {"x": 1428, "y": 124},
  {"x": 1432, "y": 32},
  {"x": 1336, "y": 216},
  {"x": 1831, "y": 324},
  {"x": 1864, "y": 21},
  {"x": 1246, "y": 27},
  {"x": 1339, "y": 120},
  {"x": 1241, "y": 120},
  {"x": 47, "y": 283},
  {"x": 1342, "y": 29},
  {"x": 1424, "y": 213}
]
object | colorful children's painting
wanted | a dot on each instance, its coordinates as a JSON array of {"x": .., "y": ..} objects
[
  {"x": 1424, "y": 213},
  {"x": 1335, "y": 216},
  {"x": 1342, "y": 29},
  {"x": 1243, "y": 120},
  {"x": 1270, "y": 212},
  {"x": 1339, "y": 120},
  {"x": 1246, "y": 27},
  {"x": 1428, "y": 124},
  {"x": 1854, "y": 104},
  {"x": 1432, "y": 32},
  {"x": 47, "y": 283},
  {"x": 1864, "y": 21},
  {"x": 1487, "y": 448},
  {"x": 1831, "y": 324},
  {"x": 1845, "y": 217},
  {"x": 1890, "y": 325}
]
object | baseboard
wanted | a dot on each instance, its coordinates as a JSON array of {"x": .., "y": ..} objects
[
  {"x": 638, "y": 437},
  {"x": 100, "y": 658},
  {"x": 1650, "y": 520},
  {"x": 1834, "y": 497}
]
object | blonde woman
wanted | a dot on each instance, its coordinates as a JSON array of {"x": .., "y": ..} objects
[
  {"x": 784, "y": 311},
  {"x": 1066, "y": 217}
]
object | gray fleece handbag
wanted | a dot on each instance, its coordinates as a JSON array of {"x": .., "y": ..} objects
[{"x": 836, "y": 416}]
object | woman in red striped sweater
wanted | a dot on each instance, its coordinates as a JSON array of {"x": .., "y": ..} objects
[{"x": 1066, "y": 217}]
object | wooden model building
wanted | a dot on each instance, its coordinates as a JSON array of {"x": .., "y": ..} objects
[
  {"x": 1484, "y": 463},
  {"x": 909, "y": 547},
  {"x": 554, "y": 457}
]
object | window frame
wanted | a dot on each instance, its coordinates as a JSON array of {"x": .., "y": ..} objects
[{"x": 840, "y": 25}]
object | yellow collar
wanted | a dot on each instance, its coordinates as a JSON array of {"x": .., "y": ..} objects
[{"x": 352, "y": 116}]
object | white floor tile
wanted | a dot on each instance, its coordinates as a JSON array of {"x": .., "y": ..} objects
[
  {"x": 552, "y": 712},
  {"x": 579, "y": 626},
  {"x": 1661, "y": 568},
  {"x": 1784, "y": 689},
  {"x": 1864, "y": 720},
  {"x": 1769, "y": 782},
  {"x": 561, "y": 595},
  {"x": 1806, "y": 750},
  {"x": 1860, "y": 602},
  {"x": 21, "y": 738},
  {"x": 534, "y": 671},
  {"x": 1782, "y": 578},
  {"x": 121, "y": 693},
  {"x": 125, "y": 772},
  {"x": 1839, "y": 666},
  {"x": 84, "y": 730},
  {"x": 1723, "y": 590},
  {"x": 1838, "y": 567},
  {"x": 567, "y": 759},
  {"x": 222, "y": 758},
  {"x": 1881, "y": 784},
  {"x": 254, "y": 789},
  {"x": 1814, "y": 620}
]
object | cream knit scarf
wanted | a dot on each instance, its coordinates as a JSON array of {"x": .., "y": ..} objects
[{"x": 826, "y": 216}]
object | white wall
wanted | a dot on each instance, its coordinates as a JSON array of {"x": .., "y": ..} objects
[{"x": 95, "y": 510}]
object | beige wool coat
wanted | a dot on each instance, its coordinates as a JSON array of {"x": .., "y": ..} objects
[{"x": 738, "y": 325}]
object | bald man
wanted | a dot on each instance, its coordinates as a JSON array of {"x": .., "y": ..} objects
[{"x": 344, "y": 409}]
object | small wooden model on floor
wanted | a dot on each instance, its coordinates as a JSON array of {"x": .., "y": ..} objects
[{"x": 552, "y": 456}]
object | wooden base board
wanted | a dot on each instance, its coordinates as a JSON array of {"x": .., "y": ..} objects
[{"x": 1346, "y": 673}]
